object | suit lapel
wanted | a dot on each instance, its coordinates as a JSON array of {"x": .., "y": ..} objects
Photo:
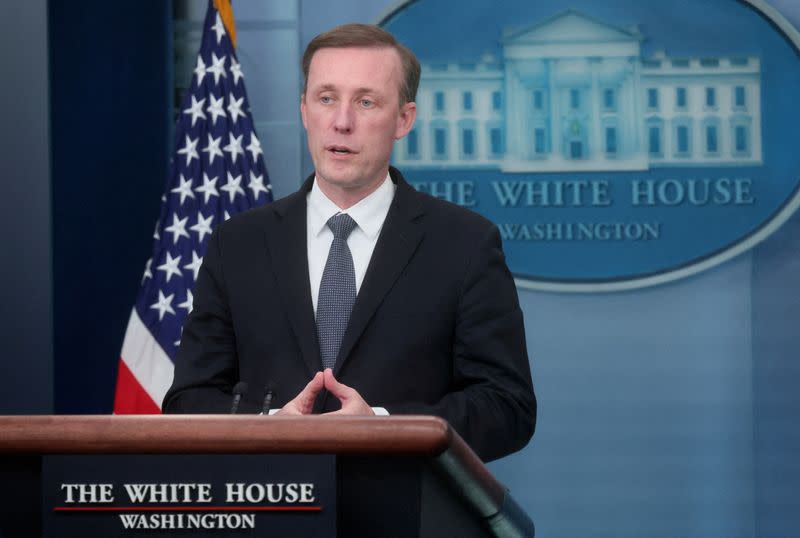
[
  {"x": 288, "y": 251},
  {"x": 398, "y": 240}
]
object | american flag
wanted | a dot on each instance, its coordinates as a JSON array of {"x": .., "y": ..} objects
[{"x": 217, "y": 170}]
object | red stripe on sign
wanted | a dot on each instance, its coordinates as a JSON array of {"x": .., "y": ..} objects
[
  {"x": 187, "y": 509},
  {"x": 131, "y": 398}
]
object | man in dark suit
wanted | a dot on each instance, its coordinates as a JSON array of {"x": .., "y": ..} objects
[{"x": 414, "y": 311}]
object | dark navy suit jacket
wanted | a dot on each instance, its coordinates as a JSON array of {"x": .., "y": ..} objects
[{"x": 436, "y": 328}]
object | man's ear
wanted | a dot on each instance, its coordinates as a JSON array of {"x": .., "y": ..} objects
[
  {"x": 303, "y": 109},
  {"x": 408, "y": 113}
]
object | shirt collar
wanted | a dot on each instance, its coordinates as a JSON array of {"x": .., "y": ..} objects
[{"x": 369, "y": 213}]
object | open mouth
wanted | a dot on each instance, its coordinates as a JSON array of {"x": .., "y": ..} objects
[{"x": 340, "y": 150}]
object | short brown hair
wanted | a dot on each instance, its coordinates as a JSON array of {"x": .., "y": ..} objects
[{"x": 369, "y": 36}]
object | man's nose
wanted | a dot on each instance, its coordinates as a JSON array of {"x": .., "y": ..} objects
[{"x": 343, "y": 118}]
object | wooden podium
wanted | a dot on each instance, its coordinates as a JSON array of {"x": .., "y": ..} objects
[{"x": 395, "y": 476}]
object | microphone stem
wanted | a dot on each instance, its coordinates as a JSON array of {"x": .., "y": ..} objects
[{"x": 267, "y": 402}]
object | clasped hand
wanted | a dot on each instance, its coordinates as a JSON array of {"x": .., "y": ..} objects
[{"x": 303, "y": 403}]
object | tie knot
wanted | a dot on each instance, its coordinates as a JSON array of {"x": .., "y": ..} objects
[{"x": 341, "y": 225}]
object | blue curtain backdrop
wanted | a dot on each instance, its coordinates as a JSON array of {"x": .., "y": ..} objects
[{"x": 667, "y": 411}]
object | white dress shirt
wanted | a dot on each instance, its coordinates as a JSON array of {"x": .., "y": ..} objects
[{"x": 369, "y": 215}]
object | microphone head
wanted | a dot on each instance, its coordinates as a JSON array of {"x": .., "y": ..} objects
[{"x": 240, "y": 388}]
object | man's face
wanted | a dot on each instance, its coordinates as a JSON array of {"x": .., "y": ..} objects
[{"x": 352, "y": 114}]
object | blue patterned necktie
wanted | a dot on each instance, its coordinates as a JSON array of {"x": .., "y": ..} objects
[{"x": 337, "y": 291}]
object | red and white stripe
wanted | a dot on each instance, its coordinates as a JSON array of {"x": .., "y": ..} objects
[{"x": 145, "y": 371}]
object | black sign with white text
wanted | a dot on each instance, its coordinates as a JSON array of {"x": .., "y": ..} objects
[{"x": 186, "y": 495}]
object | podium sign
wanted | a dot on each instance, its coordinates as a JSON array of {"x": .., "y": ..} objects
[
  {"x": 245, "y": 475},
  {"x": 178, "y": 495}
]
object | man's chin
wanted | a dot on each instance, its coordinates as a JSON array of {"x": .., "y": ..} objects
[
  {"x": 347, "y": 188},
  {"x": 340, "y": 178},
  {"x": 340, "y": 181}
]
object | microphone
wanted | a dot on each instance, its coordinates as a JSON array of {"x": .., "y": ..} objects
[
  {"x": 267, "y": 400},
  {"x": 238, "y": 390}
]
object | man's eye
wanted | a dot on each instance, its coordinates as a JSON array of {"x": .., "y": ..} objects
[
  {"x": 367, "y": 103},
  {"x": 325, "y": 99}
]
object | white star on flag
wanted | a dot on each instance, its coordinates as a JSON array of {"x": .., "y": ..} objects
[
  {"x": 190, "y": 149},
  {"x": 196, "y": 110},
  {"x": 200, "y": 70},
  {"x": 163, "y": 305},
  {"x": 254, "y": 146},
  {"x": 219, "y": 28},
  {"x": 184, "y": 189},
  {"x": 233, "y": 186},
  {"x": 203, "y": 226},
  {"x": 234, "y": 147},
  {"x": 177, "y": 342},
  {"x": 187, "y": 304},
  {"x": 235, "y": 107},
  {"x": 177, "y": 228},
  {"x": 170, "y": 267},
  {"x": 213, "y": 148},
  {"x": 217, "y": 67},
  {"x": 208, "y": 188},
  {"x": 148, "y": 272},
  {"x": 194, "y": 267},
  {"x": 256, "y": 184},
  {"x": 215, "y": 108},
  {"x": 236, "y": 71}
]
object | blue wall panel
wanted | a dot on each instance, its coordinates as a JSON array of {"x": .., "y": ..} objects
[
  {"x": 110, "y": 113},
  {"x": 26, "y": 366}
]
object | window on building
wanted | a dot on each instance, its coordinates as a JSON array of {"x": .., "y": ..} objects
[
  {"x": 538, "y": 100},
  {"x": 711, "y": 97},
  {"x": 497, "y": 100},
  {"x": 680, "y": 97},
  {"x": 609, "y": 99},
  {"x": 438, "y": 101},
  {"x": 575, "y": 99},
  {"x": 654, "y": 140},
  {"x": 712, "y": 139},
  {"x": 611, "y": 140},
  {"x": 439, "y": 142},
  {"x": 709, "y": 62},
  {"x": 466, "y": 99},
  {"x": 538, "y": 141},
  {"x": 739, "y": 97},
  {"x": 576, "y": 149},
  {"x": 652, "y": 98},
  {"x": 496, "y": 141},
  {"x": 468, "y": 142},
  {"x": 741, "y": 136},
  {"x": 412, "y": 143},
  {"x": 682, "y": 139}
]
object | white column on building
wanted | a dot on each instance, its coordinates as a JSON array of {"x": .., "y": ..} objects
[
  {"x": 697, "y": 99},
  {"x": 754, "y": 111},
  {"x": 597, "y": 151},
  {"x": 555, "y": 109},
  {"x": 628, "y": 113},
  {"x": 637, "y": 115},
  {"x": 512, "y": 114},
  {"x": 452, "y": 114}
]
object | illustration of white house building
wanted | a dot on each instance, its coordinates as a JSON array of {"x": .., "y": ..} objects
[{"x": 575, "y": 94}]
